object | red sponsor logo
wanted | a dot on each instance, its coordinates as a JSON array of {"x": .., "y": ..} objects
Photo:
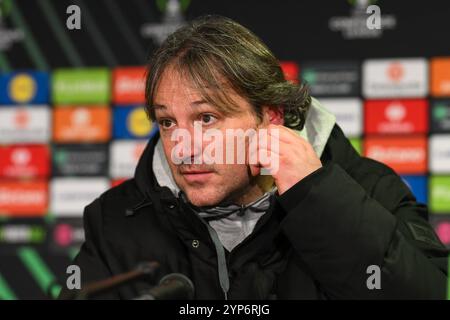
[
  {"x": 406, "y": 155},
  {"x": 290, "y": 70},
  {"x": 129, "y": 85},
  {"x": 24, "y": 161},
  {"x": 21, "y": 118},
  {"x": 396, "y": 116},
  {"x": 28, "y": 198},
  {"x": 395, "y": 71}
]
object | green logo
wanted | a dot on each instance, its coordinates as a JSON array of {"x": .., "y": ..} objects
[
  {"x": 24, "y": 233},
  {"x": 75, "y": 86},
  {"x": 37, "y": 234},
  {"x": 162, "y": 4},
  {"x": 440, "y": 112},
  {"x": 310, "y": 76},
  {"x": 440, "y": 194},
  {"x": 60, "y": 157}
]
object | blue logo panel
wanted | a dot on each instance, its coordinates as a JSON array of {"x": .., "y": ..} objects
[
  {"x": 131, "y": 122},
  {"x": 24, "y": 88}
]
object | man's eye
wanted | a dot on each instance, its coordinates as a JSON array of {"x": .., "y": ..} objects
[
  {"x": 166, "y": 123},
  {"x": 208, "y": 118}
]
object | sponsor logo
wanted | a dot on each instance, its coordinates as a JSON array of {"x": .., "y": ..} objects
[
  {"x": 290, "y": 70},
  {"x": 356, "y": 25},
  {"x": 65, "y": 234},
  {"x": 82, "y": 124},
  {"x": 440, "y": 153},
  {"x": 80, "y": 160},
  {"x": 395, "y": 71},
  {"x": 22, "y": 118},
  {"x": 131, "y": 122},
  {"x": 395, "y": 112},
  {"x": 440, "y": 194},
  {"x": 407, "y": 155},
  {"x": 440, "y": 77},
  {"x": 385, "y": 78},
  {"x": 440, "y": 116},
  {"x": 396, "y": 116},
  {"x": 124, "y": 157},
  {"x": 24, "y": 161},
  {"x": 172, "y": 19},
  {"x": 69, "y": 196},
  {"x": 418, "y": 186},
  {"x": 348, "y": 112},
  {"x": 129, "y": 85},
  {"x": 23, "y": 198},
  {"x": 138, "y": 123},
  {"x": 77, "y": 86},
  {"x": 22, "y": 88},
  {"x": 22, "y": 234},
  {"x": 25, "y": 124},
  {"x": 442, "y": 229},
  {"x": 331, "y": 79}
]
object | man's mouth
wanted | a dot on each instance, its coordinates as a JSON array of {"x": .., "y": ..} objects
[{"x": 196, "y": 175}]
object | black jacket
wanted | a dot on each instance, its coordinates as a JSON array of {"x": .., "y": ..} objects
[{"x": 316, "y": 241}]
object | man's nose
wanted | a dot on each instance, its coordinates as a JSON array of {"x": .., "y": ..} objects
[{"x": 194, "y": 146}]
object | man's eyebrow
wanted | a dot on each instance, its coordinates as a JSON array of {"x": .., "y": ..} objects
[
  {"x": 198, "y": 102},
  {"x": 158, "y": 106},
  {"x": 163, "y": 107}
]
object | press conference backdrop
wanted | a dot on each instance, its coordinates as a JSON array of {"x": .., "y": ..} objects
[{"x": 72, "y": 122}]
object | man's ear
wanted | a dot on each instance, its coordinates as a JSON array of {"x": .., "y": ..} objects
[{"x": 273, "y": 115}]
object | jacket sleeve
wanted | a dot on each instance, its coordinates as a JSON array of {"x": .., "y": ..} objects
[
  {"x": 90, "y": 259},
  {"x": 339, "y": 229}
]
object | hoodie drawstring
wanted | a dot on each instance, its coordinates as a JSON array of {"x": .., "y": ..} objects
[{"x": 221, "y": 261}]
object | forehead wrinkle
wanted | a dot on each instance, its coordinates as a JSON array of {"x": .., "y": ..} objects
[{"x": 174, "y": 97}]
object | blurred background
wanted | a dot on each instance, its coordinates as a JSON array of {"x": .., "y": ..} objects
[{"x": 72, "y": 122}]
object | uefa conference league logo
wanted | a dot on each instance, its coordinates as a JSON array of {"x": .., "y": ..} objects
[{"x": 172, "y": 19}]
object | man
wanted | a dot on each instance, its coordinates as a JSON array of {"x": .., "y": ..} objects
[{"x": 325, "y": 224}]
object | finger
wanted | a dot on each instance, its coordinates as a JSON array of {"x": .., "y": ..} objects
[
  {"x": 289, "y": 131},
  {"x": 254, "y": 170},
  {"x": 265, "y": 159}
]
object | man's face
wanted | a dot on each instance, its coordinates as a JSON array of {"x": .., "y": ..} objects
[{"x": 177, "y": 106}]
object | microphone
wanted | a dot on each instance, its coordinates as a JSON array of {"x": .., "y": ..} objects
[
  {"x": 102, "y": 286},
  {"x": 174, "y": 286}
]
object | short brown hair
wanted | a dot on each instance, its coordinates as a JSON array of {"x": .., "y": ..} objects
[{"x": 218, "y": 53}]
